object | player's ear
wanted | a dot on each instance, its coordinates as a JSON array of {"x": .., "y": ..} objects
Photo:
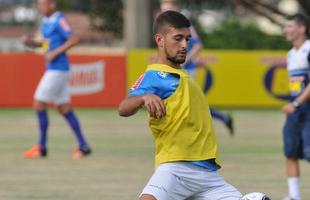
[
  {"x": 302, "y": 29},
  {"x": 159, "y": 39}
]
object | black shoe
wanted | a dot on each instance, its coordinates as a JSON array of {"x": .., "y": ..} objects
[
  {"x": 80, "y": 153},
  {"x": 230, "y": 125},
  {"x": 43, "y": 152},
  {"x": 85, "y": 150}
]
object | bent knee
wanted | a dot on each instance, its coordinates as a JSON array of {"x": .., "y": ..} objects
[
  {"x": 39, "y": 106},
  {"x": 147, "y": 197},
  {"x": 63, "y": 109}
]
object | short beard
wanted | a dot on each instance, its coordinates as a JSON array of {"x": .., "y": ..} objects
[{"x": 174, "y": 60}]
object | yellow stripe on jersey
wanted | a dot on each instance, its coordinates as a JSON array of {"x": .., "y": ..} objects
[{"x": 45, "y": 45}]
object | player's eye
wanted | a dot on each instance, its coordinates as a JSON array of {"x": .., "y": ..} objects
[{"x": 179, "y": 39}]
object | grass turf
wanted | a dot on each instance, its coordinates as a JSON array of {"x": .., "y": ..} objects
[{"x": 122, "y": 161}]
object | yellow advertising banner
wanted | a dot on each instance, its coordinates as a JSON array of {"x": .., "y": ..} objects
[{"x": 231, "y": 78}]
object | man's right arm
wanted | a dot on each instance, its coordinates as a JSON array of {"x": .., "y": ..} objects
[
  {"x": 131, "y": 104},
  {"x": 29, "y": 41}
]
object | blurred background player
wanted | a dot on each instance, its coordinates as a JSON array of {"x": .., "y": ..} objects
[
  {"x": 191, "y": 65},
  {"x": 53, "y": 87},
  {"x": 296, "y": 133},
  {"x": 179, "y": 117}
]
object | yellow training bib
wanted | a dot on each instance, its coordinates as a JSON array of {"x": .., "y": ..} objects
[{"x": 186, "y": 133}]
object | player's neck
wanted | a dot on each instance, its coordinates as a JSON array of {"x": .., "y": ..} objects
[
  {"x": 51, "y": 13},
  {"x": 170, "y": 64},
  {"x": 165, "y": 61},
  {"x": 299, "y": 42}
]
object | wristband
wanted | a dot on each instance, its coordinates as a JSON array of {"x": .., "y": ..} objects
[{"x": 296, "y": 104}]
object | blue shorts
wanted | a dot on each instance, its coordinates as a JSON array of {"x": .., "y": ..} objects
[{"x": 296, "y": 134}]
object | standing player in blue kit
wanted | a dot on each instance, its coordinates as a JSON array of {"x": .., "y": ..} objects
[{"x": 58, "y": 38}]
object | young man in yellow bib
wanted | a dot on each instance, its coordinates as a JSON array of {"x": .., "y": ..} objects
[{"x": 179, "y": 118}]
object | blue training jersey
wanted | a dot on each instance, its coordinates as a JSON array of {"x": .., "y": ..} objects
[
  {"x": 55, "y": 31},
  {"x": 191, "y": 64},
  {"x": 163, "y": 85}
]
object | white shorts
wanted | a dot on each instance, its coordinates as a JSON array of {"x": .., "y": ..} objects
[
  {"x": 183, "y": 180},
  {"x": 53, "y": 87}
]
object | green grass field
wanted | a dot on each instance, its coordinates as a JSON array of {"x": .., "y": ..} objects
[{"x": 122, "y": 160}]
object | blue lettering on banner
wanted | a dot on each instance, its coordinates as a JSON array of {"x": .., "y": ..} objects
[{"x": 269, "y": 81}]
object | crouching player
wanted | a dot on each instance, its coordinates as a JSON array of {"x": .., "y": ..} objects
[{"x": 186, "y": 150}]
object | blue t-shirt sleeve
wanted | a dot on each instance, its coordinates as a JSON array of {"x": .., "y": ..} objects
[
  {"x": 155, "y": 82},
  {"x": 143, "y": 85},
  {"x": 64, "y": 28}
]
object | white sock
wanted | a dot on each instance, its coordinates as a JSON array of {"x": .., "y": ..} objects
[{"x": 293, "y": 188}]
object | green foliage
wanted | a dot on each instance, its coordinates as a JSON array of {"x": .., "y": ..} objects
[
  {"x": 76, "y": 5},
  {"x": 107, "y": 15},
  {"x": 234, "y": 35},
  {"x": 64, "y": 5}
]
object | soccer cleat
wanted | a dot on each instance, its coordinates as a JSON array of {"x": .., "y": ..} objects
[
  {"x": 230, "y": 125},
  {"x": 35, "y": 152},
  {"x": 80, "y": 153}
]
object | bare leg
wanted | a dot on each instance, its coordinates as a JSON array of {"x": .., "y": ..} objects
[
  {"x": 39, "y": 105},
  {"x": 63, "y": 108},
  {"x": 147, "y": 197},
  {"x": 292, "y": 168}
]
